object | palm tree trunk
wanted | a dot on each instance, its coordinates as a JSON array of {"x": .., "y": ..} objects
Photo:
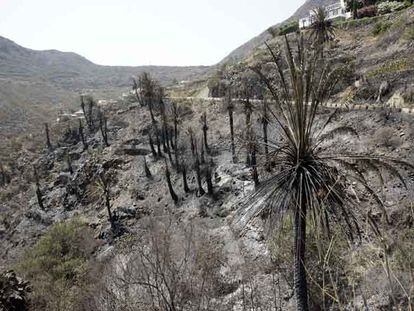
[
  {"x": 266, "y": 145},
  {"x": 233, "y": 148},
  {"x": 301, "y": 289}
]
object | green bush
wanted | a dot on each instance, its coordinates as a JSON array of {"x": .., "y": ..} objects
[
  {"x": 380, "y": 28},
  {"x": 289, "y": 28},
  {"x": 58, "y": 264}
]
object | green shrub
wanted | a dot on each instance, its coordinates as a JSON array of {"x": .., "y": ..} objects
[
  {"x": 325, "y": 261},
  {"x": 58, "y": 264},
  {"x": 391, "y": 67},
  {"x": 381, "y": 27},
  {"x": 289, "y": 28}
]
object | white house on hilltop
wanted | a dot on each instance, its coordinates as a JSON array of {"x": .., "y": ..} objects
[{"x": 336, "y": 10}]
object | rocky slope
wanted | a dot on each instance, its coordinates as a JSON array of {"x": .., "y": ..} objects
[{"x": 247, "y": 48}]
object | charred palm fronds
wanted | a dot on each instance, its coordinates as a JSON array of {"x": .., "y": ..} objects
[
  {"x": 48, "y": 143},
  {"x": 151, "y": 143},
  {"x": 170, "y": 187},
  {"x": 309, "y": 181},
  {"x": 204, "y": 127},
  {"x": 230, "y": 109},
  {"x": 82, "y": 136},
  {"x": 39, "y": 194},
  {"x": 103, "y": 126},
  {"x": 146, "y": 169}
]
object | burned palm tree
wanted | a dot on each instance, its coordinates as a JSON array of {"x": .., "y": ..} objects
[
  {"x": 170, "y": 186},
  {"x": 151, "y": 143},
  {"x": 192, "y": 141},
  {"x": 230, "y": 109},
  {"x": 309, "y": 181},
  {"x": 204, "y": 127},
  {"x": 48, "y": 143},
  {"x": 39, "y": 194},
  {"x": 197, "y": 168},
  {"x": 82, "y": 100},
  {"x": 146, "y": 168},
  {"x": 103, "y": 126},
  {"x": 82, "y": 135},
  {"x": 322, "y": 29},
  {"x": 103, "y": 185},
  {"x": 68, "y": 162},
  {"x": 209, "y": 177},
  {"x": 252, "y": 146},
  {"x": 91, "y": 121}
]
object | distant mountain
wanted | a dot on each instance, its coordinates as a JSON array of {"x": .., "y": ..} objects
[
  {"x": 74, "y": 72},
  {"x": 244, "y": 50},
  {"x": 34, "y": 84}
]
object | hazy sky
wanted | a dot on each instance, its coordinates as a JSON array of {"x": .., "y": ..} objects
[{"x": 141, "y": 32}]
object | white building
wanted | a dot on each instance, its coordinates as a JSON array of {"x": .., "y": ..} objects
[{"x": 336, "y": 10}]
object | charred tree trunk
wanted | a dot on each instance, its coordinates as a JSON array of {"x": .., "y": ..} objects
[
  {"x": 82, "y": 135},
  {"x": 39, "y": 194},
  {"x": 48, "y": 143},
  {"x": 170, "y": 187},
  {"x": 202, "y": 158},
  {"x": 265, "y": 123},
  {"x": 151, "y": 142},
  {"x": 201, "y": 191},
  {"x": 192, "y": 143},
  {"x": 158, "y": 141},
  {"x": 69, "y": 163},
  {"x": 233, "y": 147},
  {"x": 107, "y": 196},
  {"x": 91, "y": 123},
  {"x": 184, "y": 173},
  {"x": 83, "y": 110},
  {"x": 254, "y": 165},
  {"x": 104, "y": 128},
  {"x": 146, "y": 168},
  {"x": 205, "y": 129},
  {"x": 209, "y": 180},
  {"x": 300, "y": 285}
]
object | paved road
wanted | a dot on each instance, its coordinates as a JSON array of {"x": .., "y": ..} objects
[{"x": 329, "y": 105}]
